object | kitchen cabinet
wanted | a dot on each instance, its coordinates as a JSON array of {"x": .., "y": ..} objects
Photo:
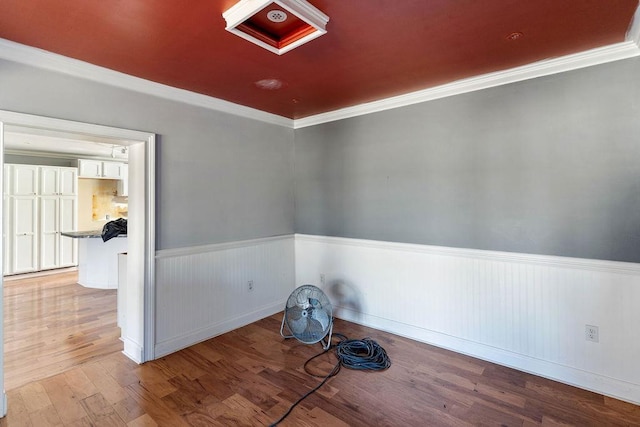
[
  {"x": 100, "y": 169},
  {"x": 97, "y": 259},
  {"x": 55, "y": 181},
  {"x": 23, "y": 180},
  {"x": 68, "y": 247},
  {"x": 57, "y": 214},
  {"x": 123, "y": 184},
  {"x": 23, "y": 226},
  {"x": 113, "y": 170},
  {"x": 89, "y": 169},
  {"x": 21, "y": 218},
  {"x": 40, "y": 203}
]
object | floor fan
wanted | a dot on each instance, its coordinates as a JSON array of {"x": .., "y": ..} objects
[{"x": 309, "y": 316}]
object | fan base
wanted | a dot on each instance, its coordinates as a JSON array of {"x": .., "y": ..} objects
[{"x": 325, "y": 344}]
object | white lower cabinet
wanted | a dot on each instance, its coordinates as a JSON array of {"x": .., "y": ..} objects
[
  {"x": 57, "y": 214},
  {"x": 23, "y": 224},
  {"x": 49, "y": 231},
  {"x": 33, "y": 223},
  {"x": 68, "y": 248}
]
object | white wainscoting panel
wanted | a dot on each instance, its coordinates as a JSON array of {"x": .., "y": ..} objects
[
  {"x": 203, "y": 291},
  {"x": 524, "y": 311}
]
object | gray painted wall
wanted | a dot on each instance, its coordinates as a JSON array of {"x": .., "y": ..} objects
[
  {"x": 546, "y": 166},
  {"x": 219, "y": 177}
]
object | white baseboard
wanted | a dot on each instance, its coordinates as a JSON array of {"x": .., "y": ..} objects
[
  {"x": 565, "y": 374},
  {"x": 133, "y": 350},
  {"x": 210, "y": 331}
]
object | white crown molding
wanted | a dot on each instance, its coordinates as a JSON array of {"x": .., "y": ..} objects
[
  {"x": 42, "y": 59},
  {"x": 633, "y": 34},
  {"x": 245, "y": 9},
  {"x": 616, "y": 52},
  {"x": 50, "y": 61}
]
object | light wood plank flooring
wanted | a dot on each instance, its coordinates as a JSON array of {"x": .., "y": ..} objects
[
  {"x": 251, "y": 376},
  {"x": 52, "y": 324}
]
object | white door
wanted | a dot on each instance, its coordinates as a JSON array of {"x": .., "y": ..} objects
[
  {"x": 68, "y": 254},
  {"x": 49, "y": 232},
  {"x": 24, "y": 237}
]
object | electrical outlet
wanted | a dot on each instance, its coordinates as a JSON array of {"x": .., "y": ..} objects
[
  {"x": 322, "y": 278},
  {"x": 591, "y": 333},
  {"x": 250, "y": 285}
]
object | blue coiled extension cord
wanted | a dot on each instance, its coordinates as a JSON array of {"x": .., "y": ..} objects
[{"x": 364, "y": 354}]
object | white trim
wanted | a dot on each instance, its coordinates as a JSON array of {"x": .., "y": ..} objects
[
  {"x": 51, "y": 61},
  {"x": 600, "y": 384},
  {"x": 134, "y": 139},
  {"x": 245, "y": 9},
  {"x": 133, "y": 351},
  {"x": 3, "y": 400},
  {"x": 576, "y": 61},
  {"x": 633, "y": 34},
  {"x": 149, "y": 315},
  {"x": 42, "y": 59},
  {"x": 3, "y": 408},
  {"x": 30, "y": 120},
  {"x": 516, "y": 257},
  {"x": 208, "y": 332},
  {"x": 194, "y": 250}
]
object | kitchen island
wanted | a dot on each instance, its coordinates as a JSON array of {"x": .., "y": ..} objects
[{"x": 98, "y": 260}]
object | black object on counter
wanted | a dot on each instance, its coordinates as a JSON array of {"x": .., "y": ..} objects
[{"x": 114, "y": 228}]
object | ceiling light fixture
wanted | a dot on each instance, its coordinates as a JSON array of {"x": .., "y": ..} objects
[
  {"x": 276, "y": 16},
  {"x": 276, "y": 25}
]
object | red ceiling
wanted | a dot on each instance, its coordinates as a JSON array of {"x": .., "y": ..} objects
[{"x": 373, "y": 48}]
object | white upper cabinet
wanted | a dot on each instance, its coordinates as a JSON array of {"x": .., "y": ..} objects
[
  {"x": 56, "y": 181},
  {"x": 89, "y": 168},
  {"x": 113, "y": 170},
  {"x": 24, "y": 180},
  {"x": 123, "y": 184},
  {"x": 68, "y": 183},
  {"x": 100, "y": 169}
]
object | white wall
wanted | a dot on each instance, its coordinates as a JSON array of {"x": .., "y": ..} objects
[{"x": 524, "y": 311}]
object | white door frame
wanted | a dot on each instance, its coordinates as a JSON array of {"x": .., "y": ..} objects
[{"x": 138, "y": 333}]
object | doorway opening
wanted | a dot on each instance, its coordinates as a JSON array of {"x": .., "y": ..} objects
[{"x": 138, "y": 329}]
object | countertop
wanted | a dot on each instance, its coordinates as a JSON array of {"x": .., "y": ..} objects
[{"x": 92, "y": 234}]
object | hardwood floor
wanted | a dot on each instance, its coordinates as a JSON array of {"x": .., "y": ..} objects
[
  {"x": 251, "y": 376},
  {"x": 52, "y": 324}
]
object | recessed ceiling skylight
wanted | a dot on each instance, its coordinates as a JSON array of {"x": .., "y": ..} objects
[{"x": 276, "y": 25}]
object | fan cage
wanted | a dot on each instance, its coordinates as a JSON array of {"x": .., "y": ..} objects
[{"x": 302, "y": 303}]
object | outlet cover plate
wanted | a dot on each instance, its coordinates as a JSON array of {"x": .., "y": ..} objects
[{"x": 591, "y": 333}]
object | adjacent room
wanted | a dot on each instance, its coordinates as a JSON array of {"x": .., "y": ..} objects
[{"x": 460, "y": 179}]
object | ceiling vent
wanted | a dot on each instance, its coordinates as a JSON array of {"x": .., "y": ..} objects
[{"x": 276, "y": 25}]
